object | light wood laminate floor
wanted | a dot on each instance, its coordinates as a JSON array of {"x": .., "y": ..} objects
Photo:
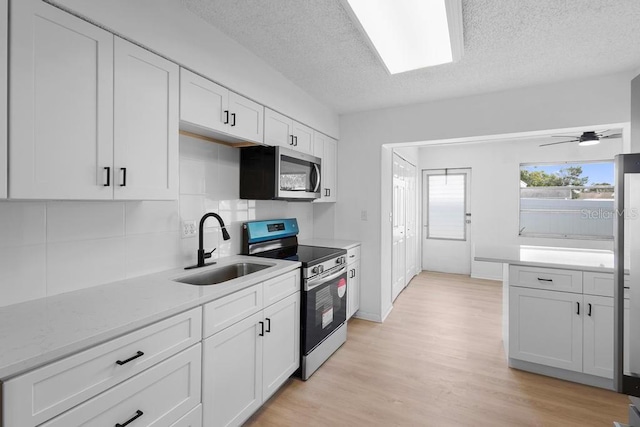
[{"x": 436, "y": 361}]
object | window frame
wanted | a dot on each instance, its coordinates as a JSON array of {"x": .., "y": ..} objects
[{"x": 557, "y": 235}]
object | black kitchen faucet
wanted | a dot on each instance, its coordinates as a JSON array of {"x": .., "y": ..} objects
[{"x": 202, "y": 255}]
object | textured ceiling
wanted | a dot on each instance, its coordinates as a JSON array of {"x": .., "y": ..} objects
[{"x": 507, "y": 44}]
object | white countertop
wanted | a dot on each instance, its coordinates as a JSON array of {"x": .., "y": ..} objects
[
  {"x": 330, "y": 243},
  {"x": 37, "y": 332},
  {"x": 544, "y": 256}
]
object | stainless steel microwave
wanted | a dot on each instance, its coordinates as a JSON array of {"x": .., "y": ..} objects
[{"x": 278, "y": 173}]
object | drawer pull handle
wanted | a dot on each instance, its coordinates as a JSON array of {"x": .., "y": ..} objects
[
  {"x": 122, "y": 362},
  {"x": 589, "y": 312},
  {"x": 261, "y": 329},
  {"x": 545, "y": 280},
  {"x": 578, "y": 312},
  {"x": 138, "y": 414},
  {"x": 268, "y": 325}
]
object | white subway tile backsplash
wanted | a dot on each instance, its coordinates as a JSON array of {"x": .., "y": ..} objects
[
  {"x": 191, "y": 207},
  {"x": 22, "y": 274},
  {"x": 198, "y": 149},
  {"x": 68, "y": 221},
  {"x": 152, "y": 217},
  {"x": 22, "y": 223},
  {"x": 150, "y": 253},
  {"x": 228, "y": 177},
  {"x": 192, "y": 176},
  {"x": 84, "y": 263}
]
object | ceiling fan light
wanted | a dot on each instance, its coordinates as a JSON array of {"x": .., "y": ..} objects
[{"x": 587, "y": 142}]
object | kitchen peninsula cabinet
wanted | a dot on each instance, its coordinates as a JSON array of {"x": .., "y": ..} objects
[
  {"x": 280, "y": 130},
  {"x": 92, "y": 116},
  {"x": 208, "y": 109},
  {"x": 327, "y": 149}
]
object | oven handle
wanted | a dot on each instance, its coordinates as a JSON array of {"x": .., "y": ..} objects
[{"x": 319, "y": 280}]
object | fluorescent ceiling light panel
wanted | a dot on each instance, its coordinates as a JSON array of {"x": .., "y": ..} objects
[{"x": 411, "y": 34}]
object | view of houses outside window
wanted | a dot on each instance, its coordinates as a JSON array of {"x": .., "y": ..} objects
[{"x": 568, "y": 200}]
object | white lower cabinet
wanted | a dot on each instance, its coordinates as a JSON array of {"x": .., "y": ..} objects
[
  {"x": 158, "y": 396},
  {"x": 192, "y": 419},
  {"x": 244, "y": 364},
  {"x": 353, "y": 281},
  {"x": 545, "y": 327},
  {"x": 567, "y": 330}
]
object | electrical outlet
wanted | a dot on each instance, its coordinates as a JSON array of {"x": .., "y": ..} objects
[
  {"x": 363, "y": 215},
  {"x": 189, "y": 229}
]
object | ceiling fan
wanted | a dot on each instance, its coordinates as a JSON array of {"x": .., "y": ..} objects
[{"x": 587, "y": 138}]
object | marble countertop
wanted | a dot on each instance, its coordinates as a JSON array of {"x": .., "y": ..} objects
[
  {"x": 37, "y": 332},
  {"x": 330, "y": 243},
  {"x": 544, "y": 256}
]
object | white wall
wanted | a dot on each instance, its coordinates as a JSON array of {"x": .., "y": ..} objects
[
  {"x": 51, "y": 247},
  {"x": 585, "y": 102},
  {"x": 171, "y": 30},
  {"x": 495, "y": 185}
]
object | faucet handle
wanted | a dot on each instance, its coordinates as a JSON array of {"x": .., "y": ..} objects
[{"x": 208, "y": 254}]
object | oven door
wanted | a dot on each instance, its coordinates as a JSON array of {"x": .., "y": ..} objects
[
  {"x": 298, "y": 175},
  {"x": 324, "y": 306}
]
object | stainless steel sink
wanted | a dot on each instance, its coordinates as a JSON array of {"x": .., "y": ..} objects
[{"x": 223, "y": 274}]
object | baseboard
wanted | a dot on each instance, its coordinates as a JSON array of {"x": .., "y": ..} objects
[
  {"x": 384, "y": 317},
  {"x": 371, "y": 317},
  {"x": 497, "y": 279},
  {"x": 563, "y": 374}
]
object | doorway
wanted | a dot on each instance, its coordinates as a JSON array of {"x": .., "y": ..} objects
[{"x": 446, "y": 220}]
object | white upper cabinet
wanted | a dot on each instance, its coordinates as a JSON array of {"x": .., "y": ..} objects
[
  {"x": 285, "y": 132},
  {"x": 204, "y": 105},
  {"x": 88, "y": 120},
  {"x": 145, "y": 124},
  {"x": 327, "y": 149},
  {"x": 61, "y": 105},
  {"x": 208, "y": 109},
  {"x": 4, "y": 37}
]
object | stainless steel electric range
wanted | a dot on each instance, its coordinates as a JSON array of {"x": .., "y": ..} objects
[{"x": 323, "y": 326}]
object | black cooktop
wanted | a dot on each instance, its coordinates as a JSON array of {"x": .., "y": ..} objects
[{"x": 307, "y": 255}]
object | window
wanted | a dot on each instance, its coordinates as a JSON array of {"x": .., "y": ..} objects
[{"x": 567, "y": 200}]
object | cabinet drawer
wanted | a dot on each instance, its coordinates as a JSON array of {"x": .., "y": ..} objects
[
  {"x": 230, "y": 309},
  {"x": 43, "y": 393},
  {"x": 281, "y": 287},
  {"x": 601, "y": 284},
  {"x": 546, "y": 278},
  {"x": 192, "y": 419},
  {"x": 158, "y": 396},
  {"x": 353, "y": 254}
]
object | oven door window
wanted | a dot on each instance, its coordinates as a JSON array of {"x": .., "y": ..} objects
[
  {"x": 324, "y": 310},
  {"x": 298, "y": 175}
]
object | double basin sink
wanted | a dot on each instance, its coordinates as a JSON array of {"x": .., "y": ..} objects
[{"x": 223, "y": 273}]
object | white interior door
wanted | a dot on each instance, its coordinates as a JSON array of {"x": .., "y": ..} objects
[
  {"x": 446, "y": 243},
  {"x": 410, "y": 220},
  {"x": 398, "y": 262}
]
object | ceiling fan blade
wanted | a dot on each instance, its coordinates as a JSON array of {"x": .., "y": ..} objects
[
  {"x": 561, "y": 142},
  {"x": 614, "y": 135}
]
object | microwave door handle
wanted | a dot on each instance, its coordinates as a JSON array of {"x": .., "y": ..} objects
[{"x": 316, "y": 188}]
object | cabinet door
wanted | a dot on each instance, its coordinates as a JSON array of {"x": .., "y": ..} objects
[
  {"x": 61, "y": 105},
  {"x": 303, "y": 138},
  {"x": 326, "y": 148},
  {"x": 598, "y": 336},
  {"x": 203, "y": 103},
  {"x": 278, "y": 129},
  {"x": 146, "y": 124},
  {"x": 353, "y": 288},
  {"x": 281, "y": 343},
  {"x": 247, "y": 118},
  {"x": 232, "y": 373},
  {"x": 545, "y": 327},
  {"x": 4, "y": 37}
]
